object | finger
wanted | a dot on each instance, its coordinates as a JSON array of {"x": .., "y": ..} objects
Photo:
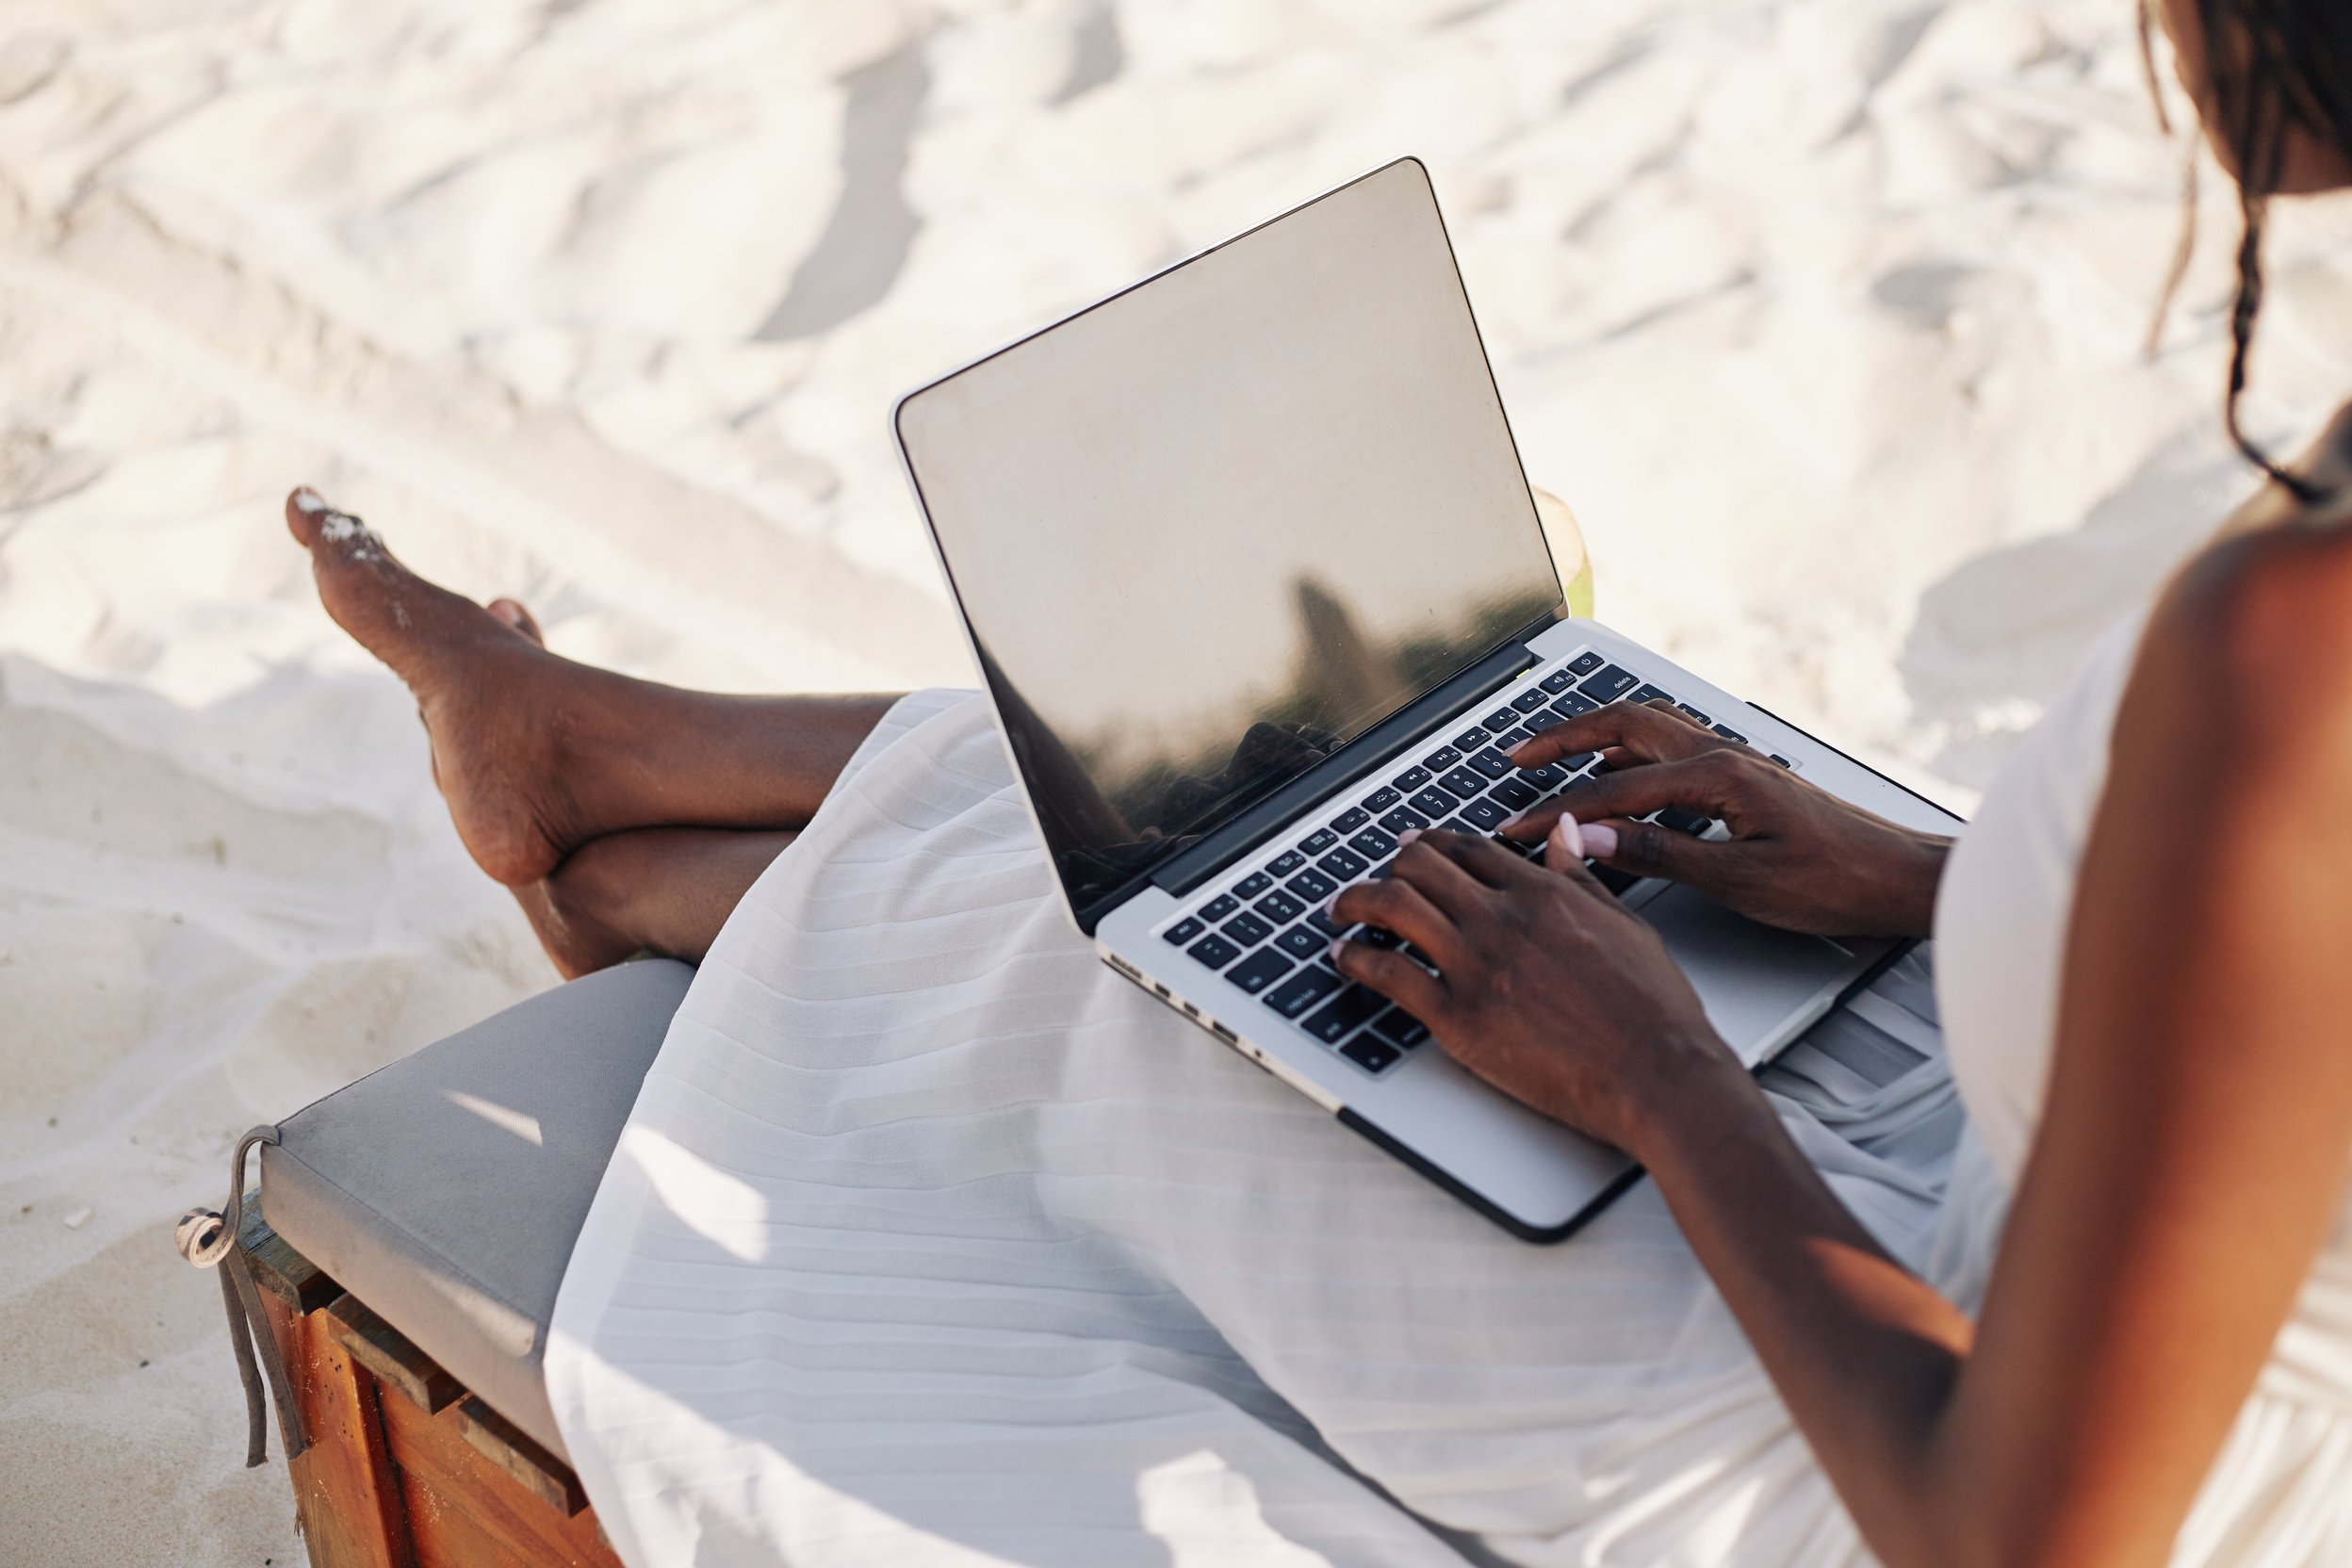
[
  {"x": 1645, "y": 849},
  {"x": 1398, "y": 906},
  {"x": 1487, "y": 863},
  {"x": 1436, "y": 876},
  {"x": 1650, "y": 732},
  {"x": 1395, "y": 977},
  {"x": 1710, "y": 783},
  {"x": 1563, "y": 845},
  {"x": 1702, "y": 783}
]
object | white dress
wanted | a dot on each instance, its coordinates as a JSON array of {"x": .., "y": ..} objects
[{"x": 930, "y": 1241}]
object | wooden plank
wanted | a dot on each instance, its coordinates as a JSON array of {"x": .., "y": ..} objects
[
  {"x": 468, "y": 1510},
  {"x": 346, "y": 1495},
  {"x": 390, "y": 1355},
  {"x": 281, "y": 1270},
  {"x": 505, "y": 1445}
]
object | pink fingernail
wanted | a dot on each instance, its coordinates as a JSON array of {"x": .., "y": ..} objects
[
  {"x": 1599, "y": 843},
  {"x": 1407, "y": 837},
  {"x": 1332, "y": 952},
  {"x": 1569, "y": 836},
  {"x": 310, "y": 503}
]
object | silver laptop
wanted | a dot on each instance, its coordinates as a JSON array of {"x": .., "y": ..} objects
[{"x": 1254, "y": 578}]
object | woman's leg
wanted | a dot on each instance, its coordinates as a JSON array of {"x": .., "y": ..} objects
[
  {"x": 536, "y": 753},
  {"x": 664, "y": 889}
]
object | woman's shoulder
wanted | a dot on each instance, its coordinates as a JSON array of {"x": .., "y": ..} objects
[{"x": 2261, "y": 622}]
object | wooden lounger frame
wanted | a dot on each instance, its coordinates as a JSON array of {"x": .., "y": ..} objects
[{"x": 406, "y": 1469}]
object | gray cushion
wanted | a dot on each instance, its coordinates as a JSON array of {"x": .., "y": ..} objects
[{"x": 447, "y": 1189}]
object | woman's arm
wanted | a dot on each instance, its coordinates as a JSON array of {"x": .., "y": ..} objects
[{"x": 2197, "y": 1139}]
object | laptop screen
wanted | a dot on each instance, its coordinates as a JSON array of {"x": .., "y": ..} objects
[{"x": 1210, "y": 531}]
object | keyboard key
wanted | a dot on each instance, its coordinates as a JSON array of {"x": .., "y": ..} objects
[
  {"x": 1502, "y": 718},
  {"x": 1219, "y": 907},
  {"x": 1646, "y": 695},
  {"x": 1695, "y": 716},
  {"x": 1313, "y": 886},
  {"x": 1572, "y": 706},
  {"x": 1585, "y": 663},
  {"x": 1375, "y": 936},
  {"x": 1402, "y": 821},
  {"x": 1299, "y": 942},
  {"x": 1247, "y": 929},
  {"x": 1325, "y": 924},
  {"x": 1512, "y": 739},
  {"x": 1182, "y": 931},
  {"x": 1550, "y": 776},
  {"x": 1521, "y": 847},
  {"x": 1486, "y": 813},
  {"x": 1373, "y": 845},
  {"x": 1401, "y": 1029},
  {"x": 1341, "y": 1017},
  {"x": 1344, "y": 864},
  {"x": 1470, "y": 739},
  {"x": 1679, "y": 821},
  {"x": 1411, "y": 780},
  {"x": 1279, "y": 907},
  {"x": 1529, "y": 700},
  {"x": 1558, "y": 682},
  {"x": 1614, "y": 880},
  {"x": 1302, "y": 990},
  {"x": 1491, "y": 763},
  {"x": 1371, "y": 1054},
  {"x": 1259, "y": 971},
  {"x": 1214, "y": 951},
  {"x": 1782, "y": 761},
  {"x": 1443, "y": 756},
  {"x": 1380, "y": 800},
  {"x": 1349, "y": 820},
  {"x": 1609, "y": 683},
  {"x": 1317, "y": 841},
  {"x": 1252, "y": 885},
  {"x": 1464, "y": 783},
  {"x": 1435, "y": 804},
  {"x": 1538, "y": 723},
  {"x": 1287, "y": 862},
  {"x": 1731, "y": 734},
  {"x": 1515, "y": 793}
]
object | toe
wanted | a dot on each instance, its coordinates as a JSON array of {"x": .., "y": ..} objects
[
  {"x": 306, "y": 510},
  {"x": 513, "y": 614}
]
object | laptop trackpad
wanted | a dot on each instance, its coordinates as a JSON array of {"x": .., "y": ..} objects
[{"x": 1761, "y": 986}]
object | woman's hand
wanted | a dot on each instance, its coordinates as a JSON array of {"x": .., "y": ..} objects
[
  {"x": 1545, "y": 986},
  {"x": 1798, "y": 857}
]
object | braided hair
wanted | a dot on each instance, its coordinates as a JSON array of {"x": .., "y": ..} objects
[{"x": 2274, "y": 66}]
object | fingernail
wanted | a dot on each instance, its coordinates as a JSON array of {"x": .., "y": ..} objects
[
  {"x": 1599, "y": 843},
  {"x": 1407, "y": 837},
  {"x": 1569, "y": 836},
  {"x": 310, "y": 503},
  {"x": 1509, "y": 822}
]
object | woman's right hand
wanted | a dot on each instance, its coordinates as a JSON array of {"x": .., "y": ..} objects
[{"x": 1798, "y": 857}]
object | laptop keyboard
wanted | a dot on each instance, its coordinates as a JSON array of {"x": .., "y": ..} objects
[{"x": 1261, "y": 926}]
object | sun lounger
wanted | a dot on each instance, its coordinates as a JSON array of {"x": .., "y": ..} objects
[{"x": 411, "y": 1232}]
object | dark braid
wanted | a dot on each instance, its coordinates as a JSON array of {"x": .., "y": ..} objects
[{"x": 2275, "y": 65}]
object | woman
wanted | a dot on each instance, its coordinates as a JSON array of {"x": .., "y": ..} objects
[{"x": 2141, "y": 941}]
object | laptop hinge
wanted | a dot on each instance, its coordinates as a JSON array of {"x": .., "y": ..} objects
[{"x": 1368, "y": 752}]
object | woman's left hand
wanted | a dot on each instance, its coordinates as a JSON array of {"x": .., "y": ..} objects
[{"x": 1546, "y": 987}]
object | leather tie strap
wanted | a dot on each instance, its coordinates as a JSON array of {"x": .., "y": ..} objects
[{"x": 212, "y": 1240}]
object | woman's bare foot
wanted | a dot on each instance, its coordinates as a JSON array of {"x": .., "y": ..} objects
[{"x": 494, "y": 702}]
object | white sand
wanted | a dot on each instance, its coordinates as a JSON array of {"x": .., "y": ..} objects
[{"x": 1824, "y": 314}]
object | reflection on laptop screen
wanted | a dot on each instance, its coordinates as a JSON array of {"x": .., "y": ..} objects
[{"x": 1210, "y": 531}]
